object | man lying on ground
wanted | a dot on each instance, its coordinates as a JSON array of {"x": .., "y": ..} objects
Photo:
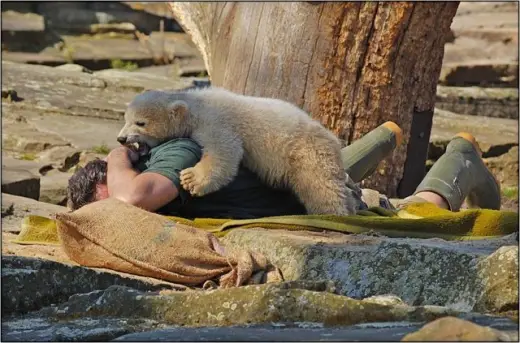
[{"x": 153, "y": 183}]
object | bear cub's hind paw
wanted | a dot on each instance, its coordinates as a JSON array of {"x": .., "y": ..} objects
[{"x": 194, "y": 181}]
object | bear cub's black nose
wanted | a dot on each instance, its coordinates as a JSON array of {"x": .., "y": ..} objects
[{"x": 121, "y": 140}]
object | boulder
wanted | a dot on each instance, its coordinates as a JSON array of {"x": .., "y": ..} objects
[
  {"x": 20, "y": 182},
  {"x": 455, "y": 329},
  {"x": 419, "y": 271},
  {"x": 31, "y": 283},
  {"x": 499, "y": 280},
  {"x": 54, "y": 187}
]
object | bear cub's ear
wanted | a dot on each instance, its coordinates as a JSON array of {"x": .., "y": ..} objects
[{"x": 178, "y": 109}]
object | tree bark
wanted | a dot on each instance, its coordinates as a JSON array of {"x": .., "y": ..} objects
[{"x": 351, "y": 65}]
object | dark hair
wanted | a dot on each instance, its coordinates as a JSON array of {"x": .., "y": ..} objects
[{"x": 82, "y": 185}]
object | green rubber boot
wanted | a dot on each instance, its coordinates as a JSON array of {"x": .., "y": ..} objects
[
  {"x": 461, "y": 173},
  {"x": 361, "y": 158}
]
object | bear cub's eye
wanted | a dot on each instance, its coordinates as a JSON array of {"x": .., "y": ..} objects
[{"x": 140, "y": 123}]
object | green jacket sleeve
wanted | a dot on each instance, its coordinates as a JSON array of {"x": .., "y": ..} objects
[{"x": 168, "y": 159}]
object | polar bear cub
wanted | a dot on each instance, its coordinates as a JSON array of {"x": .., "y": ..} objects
[{"x": 276, "y": 140}]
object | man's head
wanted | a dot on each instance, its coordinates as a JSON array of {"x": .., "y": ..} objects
[
  {"x": 87, "y": 185},
  {"x": 152, "y": 118}
]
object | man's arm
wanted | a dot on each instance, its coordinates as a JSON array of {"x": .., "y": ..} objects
[{"x": 149, "y": 191}]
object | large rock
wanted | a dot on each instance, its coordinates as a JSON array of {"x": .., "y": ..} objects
[
  {"x": 432, "y": 271},
  {"x": 238, "y": 306},
  {"x": 31, "y": 283},
  {"x": 455, "y": 329},
  {"x": 93, "y": 325}
]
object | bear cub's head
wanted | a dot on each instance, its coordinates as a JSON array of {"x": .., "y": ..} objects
[{"x": 152, "y": 118}]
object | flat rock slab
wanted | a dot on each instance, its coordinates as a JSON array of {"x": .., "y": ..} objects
[
  {"x": 283, "y": 303},
  {"x": 103, "y": 95},
  {"x": 81, "y": 133},
  {"x": 194, "y": 67},
  {"x": 488, "y": 131},
  {"x": 16, "y": 21},
  {"x": 9, "y": 162},
  {"x": 455, "y": 329},
  {"x": 488, "y": 14},
  {"x": 420, "y": 271},
  {"x": 480, "y": 73},
  {"x": 473, "y": 18},
  {"x": 98, "y": 52},
  {"x": 484, "y": 51},
  {"x": 157, "y": 8},
  {"x": 15, "y": 208},
  {"x": 489, "y": 102}
]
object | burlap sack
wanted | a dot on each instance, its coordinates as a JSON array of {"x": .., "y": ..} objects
[{"x": 115, "y": 235}]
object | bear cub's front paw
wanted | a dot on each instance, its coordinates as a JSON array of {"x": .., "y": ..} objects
[{"x": 194, "y": 181}]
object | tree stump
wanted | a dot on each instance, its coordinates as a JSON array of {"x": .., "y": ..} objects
[{"x": 351, "y": 65}]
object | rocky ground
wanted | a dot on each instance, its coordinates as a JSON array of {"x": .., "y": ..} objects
[{"x": 57, "y": 118}]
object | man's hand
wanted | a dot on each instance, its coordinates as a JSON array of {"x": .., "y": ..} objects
[{"x": 149, "y": 191}]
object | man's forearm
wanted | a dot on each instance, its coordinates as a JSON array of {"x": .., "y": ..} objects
[
  {"x": 149, "y": 191},
  {"x": 120, "y": 175}
]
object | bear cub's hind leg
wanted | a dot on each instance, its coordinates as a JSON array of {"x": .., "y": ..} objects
[
  {"x": 323, "y": 190},
  {"x": 330, "y": 197}
]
